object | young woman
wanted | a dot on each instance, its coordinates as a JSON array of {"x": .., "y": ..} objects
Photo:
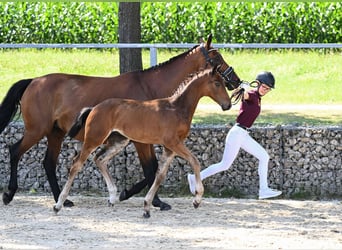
[{"x": 238, "y": 137}]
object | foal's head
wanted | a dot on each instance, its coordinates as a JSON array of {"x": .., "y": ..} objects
[{"x": 216, "y": 89}]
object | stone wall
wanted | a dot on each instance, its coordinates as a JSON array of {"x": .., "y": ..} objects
[{"x": 304, "y": 161}]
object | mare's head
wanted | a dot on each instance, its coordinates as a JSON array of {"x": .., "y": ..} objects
[
  {"x": 214, "y": 58},
  {"x": 216, "y": 89}
]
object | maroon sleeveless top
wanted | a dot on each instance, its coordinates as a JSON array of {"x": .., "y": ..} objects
[{"x": 249, "y": 109}]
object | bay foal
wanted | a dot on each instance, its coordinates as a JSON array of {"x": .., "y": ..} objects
[{"x": 161, "y": 121}]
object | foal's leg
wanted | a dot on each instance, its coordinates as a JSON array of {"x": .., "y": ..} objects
[
  {"x": 166, "y": 159},
  {"x": 102, "y": 159},
  {"x": 185, "y": 153},
  {"x": 75, "y": 168},
  {"x": 149, "y": 164},
  {"x": 55, "y": 139}
]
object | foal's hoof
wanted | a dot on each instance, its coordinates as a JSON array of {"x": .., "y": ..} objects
[
  {"x": 123, "y": 195},
  {"x": 55, "y": 209},
  {"x": 162, "y": 205},
  {"x": 110, "y": 204},
  {"x": 196, "y": 204},
  {"x": 68, "y": 203},
  {"x": 6, "y": 199},
  {"x": 147, "y": 215}
]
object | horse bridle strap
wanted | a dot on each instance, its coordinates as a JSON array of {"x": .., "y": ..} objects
[
  {"x": 206, "y": 55},
  {"x": 227, "y": 74}
]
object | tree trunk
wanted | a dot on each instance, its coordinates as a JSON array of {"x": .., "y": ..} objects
[{"x": 129, "y": 32}]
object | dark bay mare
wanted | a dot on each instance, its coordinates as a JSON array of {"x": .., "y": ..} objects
[
  {"x": 49, "y": 104},
  {"x": 163, "y": 121}
]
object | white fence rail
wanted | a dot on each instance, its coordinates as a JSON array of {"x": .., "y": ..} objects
[{"x": 153, "y": 47}]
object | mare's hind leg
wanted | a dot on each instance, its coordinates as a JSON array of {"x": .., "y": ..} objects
[
  {"x": 55, "y": 140},
  {"x": 7, "y": 197},
  {"x": 149, "y": 164},
  {"x": 116, "y": 144},
  {"x": 166, "y": 159},
  {"x": 16, "y": 151}
]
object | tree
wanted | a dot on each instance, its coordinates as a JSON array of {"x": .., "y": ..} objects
[{"x": 129, "y": 32}]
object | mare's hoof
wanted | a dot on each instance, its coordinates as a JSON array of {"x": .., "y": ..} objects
[
  {"x": 163, "y": 206},
  {"x": 55, "y": 209},
  {"x": 147, "y": 215},
  {"x": 68, "y": 203},
  {"x": 123, "y": 195},
  {"x": 6, "y": 198},
  {"x": 196, "y": 204}
]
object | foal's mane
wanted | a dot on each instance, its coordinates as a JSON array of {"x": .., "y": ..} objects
[
  {"x": 190, "y": 78},
  {"x": 170, "y": 60}
]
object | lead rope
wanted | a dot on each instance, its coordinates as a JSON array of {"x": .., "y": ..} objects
[{"x": 238, "y": 94}]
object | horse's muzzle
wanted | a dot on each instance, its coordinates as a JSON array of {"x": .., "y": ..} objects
[{"x": 226, "y": 106}]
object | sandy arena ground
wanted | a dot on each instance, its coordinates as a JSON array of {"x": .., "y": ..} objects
[{"x": 30, "y": 223}]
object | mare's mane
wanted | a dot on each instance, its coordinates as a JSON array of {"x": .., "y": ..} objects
[{"x": 170, "y": 60}]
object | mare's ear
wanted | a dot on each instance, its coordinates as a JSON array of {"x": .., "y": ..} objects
[
  {"x": 210, "y": 37},
  {"x": 201, "y": 40}
]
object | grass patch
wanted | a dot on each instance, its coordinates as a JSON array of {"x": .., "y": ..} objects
[
  {"x": 301, "y": 115},
  {"x": 225, "y": 193},
  {"x": 302, "y": 77},
  {"x": 302, "y": 195}
]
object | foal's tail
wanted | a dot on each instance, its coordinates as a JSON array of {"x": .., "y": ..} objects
[
  {"x": 79, "y": 122},
  {"x": 11, "y": 102}
]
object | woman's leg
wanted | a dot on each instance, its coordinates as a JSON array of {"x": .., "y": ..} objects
[
  {"x": 254, "y": 148},
  {"x": 231, "y": 149}
]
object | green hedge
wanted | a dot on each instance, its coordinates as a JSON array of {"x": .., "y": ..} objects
[{"x": 171, "y": 22}]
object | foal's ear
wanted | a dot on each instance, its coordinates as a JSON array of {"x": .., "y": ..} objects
[
  {"x": 215, "y": 69},
  {"x": 210, "y": 37}
]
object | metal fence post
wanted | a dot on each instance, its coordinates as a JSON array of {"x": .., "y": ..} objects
[{"x": 153, "y": 56}]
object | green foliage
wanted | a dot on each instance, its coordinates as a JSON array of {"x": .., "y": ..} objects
[
  {"x": 50, "y": 22},
  {"x": 173, "y": 22}
]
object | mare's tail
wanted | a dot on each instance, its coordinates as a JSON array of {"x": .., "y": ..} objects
[
  {"x": 11, "y": 102},
  {"x": 79, "y": 122}
]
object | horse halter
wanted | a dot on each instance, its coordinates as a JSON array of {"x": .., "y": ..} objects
[{"x": 228, "y": 75}]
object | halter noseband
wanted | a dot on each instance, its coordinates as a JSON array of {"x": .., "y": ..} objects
[{"x": 227, "y": 74}]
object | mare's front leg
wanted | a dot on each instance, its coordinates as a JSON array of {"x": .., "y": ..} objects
[
  {"x": 166, "y": 159},
  {"x": 102, "y": 158},
  {"x": 149, "y": 164},
  {"x": 55, "y": 140}
]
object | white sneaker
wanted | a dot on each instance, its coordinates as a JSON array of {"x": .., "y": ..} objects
[
  {"x": 268, "y": 193},
  {"x": 192, "y": 184}
]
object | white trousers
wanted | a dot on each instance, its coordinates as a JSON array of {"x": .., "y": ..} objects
[{"x": 239, "y": 138}]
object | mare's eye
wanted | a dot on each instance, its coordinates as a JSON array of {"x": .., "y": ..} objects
[{"x": 217, "y": 84}]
